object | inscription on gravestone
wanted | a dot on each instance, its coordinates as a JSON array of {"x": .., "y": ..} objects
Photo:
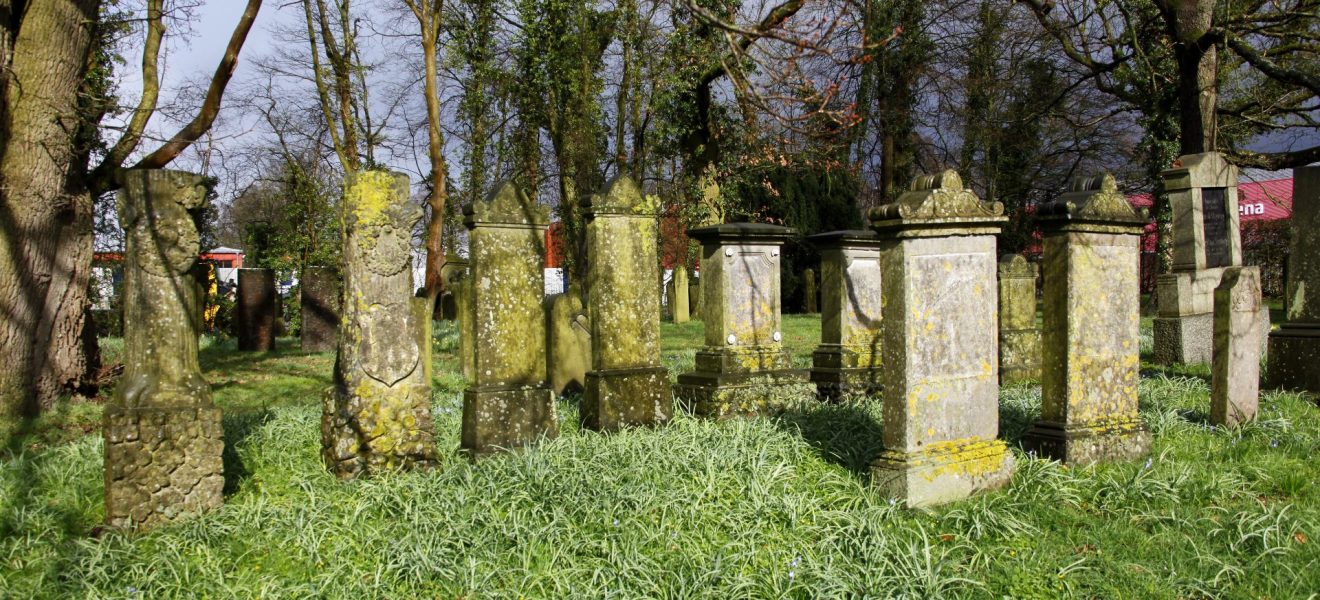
[{"x": 1215, "y": 223}]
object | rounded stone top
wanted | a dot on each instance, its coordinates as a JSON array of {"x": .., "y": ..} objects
[
  {"x": 1094, "y": 200},
  {"x": 509, "y": 204},
  {"x": 1016, "y": 265},
  {"x": 844, "y": 238},
  {"x": 741, "y": 233},
  {"x": 621, "y": 196},
  {"x": 941, "y": 200}
]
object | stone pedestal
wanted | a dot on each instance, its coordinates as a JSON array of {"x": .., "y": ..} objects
[
  {"x": 568, "y": 343},
  {"x": 1235, "y": 373},
  {"x": 809, "y": 292},
  {"x": 320, "y": 309},
  {"x": 680, "y": 297},
  {"x": 458, "y": 282},
  {"x": 627, "y": 384},
  {"x": 939, "y": 346},
  {"x": 743, "y": 368},
  {"x": 1019, "y": 338},
  {"x": 1295, "y": 347},
  {"x": 258, "y": 306},
  {"x": 377, "y": 416},
  {"x": 847, "y": 362},
  {"x": 163, "y": 440},
  {"x": 1092, "y": 343},
  {"x": 1202, "y": 191},
  {"x": 507, "y": 404}
]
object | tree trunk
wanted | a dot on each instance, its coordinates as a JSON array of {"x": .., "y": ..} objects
[
  {"x": 435, "y": 227},
  {"x": 45, "y": 208},
  {"x": 1198, "y": 66}
]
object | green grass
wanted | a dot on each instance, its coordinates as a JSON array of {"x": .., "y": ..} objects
[{"x": 771, "y": 507}]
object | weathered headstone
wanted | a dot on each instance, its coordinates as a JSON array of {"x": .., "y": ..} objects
[
  {"x": 459, "y": 284},
  {"x": 743, "y": 368},
  {"x": 939, "y": 346},
  {"x": 320, "y": 297},
  {"x": 163, "y": 440},
  {"x": 1295, "y": 346},
  {"x": 507, "y": 403},
  {"x": 694, "y": 298},
  {"x": 809, "y": 290},
  {"x": 377, "y": 416},
  {"x": 1091, "y": 238},
  {"x": 669, "y": 299},
  {"x": 847, "y": 362},
  {"x": 1019, "y": 338},
  {"x": 1203, "y": 194},
  {"x": 680, "y": 297},
  {"x": 627, "y": 384},
  {"x": 258, "y": 307},
  {"x": 1235, "y": 378},
  {"x": 568, "y": 343}
]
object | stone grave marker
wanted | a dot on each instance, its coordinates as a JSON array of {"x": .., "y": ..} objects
[
  {"x": 258, "y": 308},
  {"x": 568, "y": 342},
  {"x": 809, "y": 290},
  {"x": 1235, "y": 373},
  {"x": 679, "y": 285},
  {"x": 848, "y": 360},
  {"x": 320, "y": 297},
  {"x": 1294, "y": 349},
  {"x": 1019, "y": 338}
]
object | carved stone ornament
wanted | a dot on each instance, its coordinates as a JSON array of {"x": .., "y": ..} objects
[
  {"x": 383, "y": 227},
  {"x": 161, "y": 227},
  {"x": 1095, "y": 199},
  {"x": 937, "y": 197}
]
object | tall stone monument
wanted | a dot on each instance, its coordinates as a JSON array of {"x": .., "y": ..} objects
[
  {"x": 507, "y": 403},
  {"x": 163, "y": 440},
  {"x": 848, "y": 360},
  {"x": 939, "y": 346},
  {"x": 1019, "y": 338},
  {"x": 377, "y": 416},
  {"x": 258, "y": 307},
  {"x": 320, "y": 297},
  {"x": 743, "y": 367},
  {"x": 1092, "y": 238},
  {"x": 459, "y": 283},
  {"x": 1295, "y": 346},
  {"x": 1203, "y": 194},
  {"x": 1235, "y": 373},
  {"x": 680, "y": 297},
  {"x": 627, "y": 384},
  {"x": 809, "y": 291}
]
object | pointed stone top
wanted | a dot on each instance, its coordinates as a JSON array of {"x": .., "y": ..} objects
[
  {"x": 621, "y": 196},
  {"x": 937, "y": 199},
  {"x": 509, "y": 204},
  {"x": 1092, "y": 200},
  {"x": 1208, "y": 169},
  {"x": 1016, "y": 265}
]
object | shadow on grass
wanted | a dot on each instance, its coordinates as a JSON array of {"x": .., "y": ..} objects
[
  {"x": 1015, "y": 418},
  {"x": 237, "y": 427},
  {"x": 225, "y": 355},
  {"x": 847, "y": 434}
]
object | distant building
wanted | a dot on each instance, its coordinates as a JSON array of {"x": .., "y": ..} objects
[{"x": 227, "y": 263}]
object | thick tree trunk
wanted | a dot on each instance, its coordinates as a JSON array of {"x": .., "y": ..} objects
[
  {"x": 1198, "y": 67},
  {"x": 45, "y": 208}
]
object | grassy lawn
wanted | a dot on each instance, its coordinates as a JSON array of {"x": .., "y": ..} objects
[{"x": 771, "y": 507}]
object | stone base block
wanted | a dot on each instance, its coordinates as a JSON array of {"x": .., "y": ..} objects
[
  {"x": 162, "y": 464},
  {"x": 619, "y": 398},
  {"x": 942, "y": 473},
  {"x": 740, "y": 394},
  {"x": 1019, "y": 355},
  {"x": 840, "y": 371},
  {"x": 1081, "y": 446},
  {"x": 745, "y": 360},
  {"x": 1294, "y": 357},
  {"x": 376, "y": 428},
  {"x": 499, "y": 418},
  {"x": 1187, "y": 339}
]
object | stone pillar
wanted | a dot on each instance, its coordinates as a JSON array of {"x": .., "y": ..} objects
[
  {"x": 377, "y": 415},
  {"x": 459, "y": 283},
  {"x": 743, "y": 369},
  {"x": 1295, "y": 346},
  {"x": 809, "y": 290},
  {"x": 568, "y": 342},
  {"x": 1092, "y": 363},
  {"x": 847, "y": 362},
  {"x": 1235, "y": 377},
  {"x": 694, "y": 299},
  {"x": 258, "y": 305},
  {"x": 320, "y": 309},
  {"x": 680, "y": 297},
  {"x": 1019, "y": 338},
  {"x": 507, "y": 403},
  {"x": 627, "y": 384},
  {"x": 1202, "y": 191},
  {"x": 940, "y": 353},
  {"x": 163, "y": 440}
]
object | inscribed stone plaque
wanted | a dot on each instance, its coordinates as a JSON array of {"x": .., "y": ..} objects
[
  {"x": 1215, "y": 227},
  {"x": 752, "y": 301}
]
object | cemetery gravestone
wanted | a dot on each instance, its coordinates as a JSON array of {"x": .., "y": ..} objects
[
  {"x": 809, "y": 291},
  {"x": 680, "y": 297},
  {"x": 939, "y": 346},
  {"x": 258, "y": 306},
  {"x": 1235, "y": 380},
  {"x": 377, "y": 415},
  {"x": 163, "y": 439},
  {"x": 847, "y": 362},
  {"x": 1091, "y": 238},
  {"x": 320, "y": 299},
  {"x": 1019, "y": 338},
  {"x": 627, "y": 384},
  {"x": 1294, "y": 349},
  {"x": 743, "y": 368},
  {"x": 694, "y": 298},
  {"x": 459, "y": 284},
  {"x": 507, "y": 403},
  {"x": 569, "y": 343}
]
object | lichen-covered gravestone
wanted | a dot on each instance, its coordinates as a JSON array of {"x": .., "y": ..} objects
[
  {"x": 458, "y": 282},
  {"x": 743, "y": 368},
  {"x": 377, "y": 415},
  {"x": 627, "y": 384},
  {"x": 809, "y": 290},
  {"x": 939, "y": 346},
  {"x": 507, "y": 403},
  {"x": 568, "y": 342},
  {"x": 163, "y": 440},
  {"x": 1091, "y": 361},
  {"x": 680, "y": 297},
  {"x": 847, "y": 362},
  {"x": 1203, "y": 194},
  {"x": 1295, "y": 346},
  {"x": 1235, "y": 378},
  {"x": 694, "y": 298},
  {"x": 319, "y": 294},
  {"x": 258, "y": 307},
  {"x": 1019, "y": 338}
]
